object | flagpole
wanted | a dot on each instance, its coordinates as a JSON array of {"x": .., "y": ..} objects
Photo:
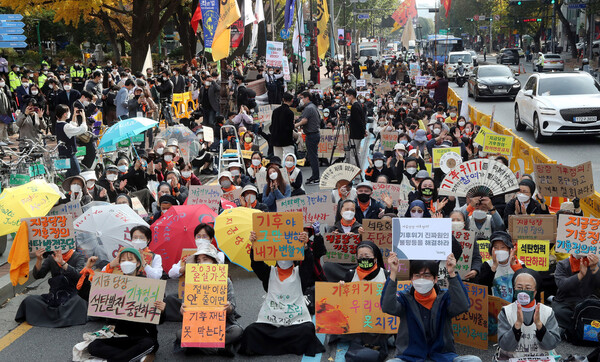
[
  {"x": 300, "y": 45},
  {"x": 272, "y": 22}
]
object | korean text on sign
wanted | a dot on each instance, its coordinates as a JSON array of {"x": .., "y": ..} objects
[
  {"x": 50, "y": 233},
  {"x": 534, "y": 253},
  {"x": 577, "y": 235},
  {"x": 203, "y": 328},
  {"x": 422, "y": 239},
  {"x": 471, "y": 328},
  {"x": 532, "y": 227},
  {"x": 125, "y": 297},
  {"x": 341, "y": 248},
  {"x": 565, "y": 181},
  {"x": 278, "y": 236},
  {"x": 466, "y": 239},
  {"x": 498, "y": 144}
]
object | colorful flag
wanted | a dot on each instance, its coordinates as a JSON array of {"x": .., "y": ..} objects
[
  {"x": 210, "y": 18},
  {"x": 196, "y": 17},
  {"x": 229, "y": 13},
  {"x": 406, "y": 10},
  {"x": 446, "y": 4},
  {"x": 259, "y": 15},
  {"x": 298, "y": 37},
  {"x": 289, "y": 14},
  {"x": 322, "y": 18},
  {"x": 249, "y": 16}
]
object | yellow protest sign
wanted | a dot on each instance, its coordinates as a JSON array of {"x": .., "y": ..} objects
[
  {"x": 535, "y": 254},
  {"x": 429, "y": 168},
  {"x": 484, "y": 250},
  {"x": 439, "y": 152},
  {"x": 480, "y": 138},
  {"x": 497, "y": 143}
]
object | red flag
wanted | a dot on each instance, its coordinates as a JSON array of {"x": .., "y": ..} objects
[
  {"x": 446, "y": 4},
  {"x": 406, "y": 10},
  {"x": 196, "y": 18}
]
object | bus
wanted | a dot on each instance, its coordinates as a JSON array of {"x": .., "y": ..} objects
[{"x": 438, "y": 46}]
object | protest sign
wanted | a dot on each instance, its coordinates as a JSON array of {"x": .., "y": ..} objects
[
  {"x": 381, "y": 191},
  {"x": 277, "y": 235},
  {"x": 421, "y": 80},
  {"x": 415, "y": 70},
  {"x": 498, "y": 144},
  {"x": 388, "y": 140},
  {"x": 125, "y": 297},
  {"x": 205, "y": 195},
  {"x": 233, "y": 196},
  {"x": 137, "y": 206},
  {"x": 466, "y": 238},
  {"x": 361, "y": 83},
  {"x": 181, "y": 284},
  {"x": 495, "y": 305},
  {"x": 439, "y": 152},
  {"x": 565, "y": 181},
  {"x": 383, "y": 89},
  {"x": 285, "y": 68},
  {"x": 274, "y": 54},
  {"x": 72, "y": 208},
  {"x": 318, "y": 206},
  {"x": 264, "y": 113},
  {"x": 577, "y": 235},
  {"x": 341, "y": 248},
  {"x": 203, "y": 328},
  {"x": 471, "y": 328},
  {"x": 380, "y": 232},
  {"x": 327, "y": 141},
  {"x": 484, "y": 250},
  {"x": 352, "y": 308},
  {"x": 422, "y": 239},
  {"x": 532, "y": 227},
  {"x": 480, "y": 138},
  {"x": 534, "y": 253},
  {"x": 50, "y": 233}
]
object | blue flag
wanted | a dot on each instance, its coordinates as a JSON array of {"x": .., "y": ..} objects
[
  {"x": 289, "y": 14},
  {"x": 210, "y": 19}
]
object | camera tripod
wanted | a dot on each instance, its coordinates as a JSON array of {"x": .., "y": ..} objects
[{"x": 349, "y": 147}]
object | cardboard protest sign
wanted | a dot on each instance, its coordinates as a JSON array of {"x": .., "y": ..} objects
[
  {"x": 532, "y": 227},
  {"x": 471, "y": 328},
  {"x": 318, "y": 206},
  {"x": 379, "y": 232},
  {"x": 327, "y": 141},
  {"x": 383, "y": 89},
  {"x": 203, "y": 328},
  {"x": 209, "y": 195},
  {"x": 577, "y": 235},
  {"x": 233, "y": 196},
  {"x": 440, "y": 151},
  {"x": 125, "y": 297},
  {"x": 495, "y": 305},
  {"x": 480, "y": 138},
  {"x": 72, "y": 208},
  {"x": 466, "y": 239},
  {"x": 381, "y": 191},
  {"x": 181, "y": 283},
  {"x": 422, "y": 239},
  {"x": 498, "y": 144},
  {"x": 341, "y": 248},
  {"x": 278, "y": 235},
  {"x": 352, "y": 308},
  {"x": 484, "y": 250},
  {"x": 388, "y": 140},
  {"x": 138, "y": 207},
  {"x": 50, "y": 233},
  {"x": 534, "y": 253},
  {"x": 565, "y": 181},
  {"x": 264, "y": 113}
]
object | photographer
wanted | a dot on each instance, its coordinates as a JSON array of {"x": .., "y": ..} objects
[
  {"x": 357, "y": 123},
  {"x": 67, "y": 132},
  {"x": 31, "y": 122},
  {"x": 164, "y": 86}
]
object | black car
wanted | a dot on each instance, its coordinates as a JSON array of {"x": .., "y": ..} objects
[
  {"x": 489, "y": 81},
  {"x": 508, "y": 56}
]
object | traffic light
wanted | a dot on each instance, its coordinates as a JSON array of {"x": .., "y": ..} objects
[{"x": 515, "y": 2}]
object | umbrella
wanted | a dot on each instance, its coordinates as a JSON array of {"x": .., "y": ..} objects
[
  {"x": 125, "y": 129},
  {"x": 32, "y": 199},
  {"x": 103, "y": 230},
  {"x": 174, "y": 231},
  {"x": 232, "y": 231},
  {"x": 180, "y": 132}
]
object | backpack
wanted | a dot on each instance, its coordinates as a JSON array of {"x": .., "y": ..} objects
[{"x": 587, "y": 323}]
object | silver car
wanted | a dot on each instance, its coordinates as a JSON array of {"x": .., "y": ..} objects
[{"x": 553, "y": 62}]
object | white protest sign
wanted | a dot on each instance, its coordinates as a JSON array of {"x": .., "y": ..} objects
[{"x": 422, "y": 239}]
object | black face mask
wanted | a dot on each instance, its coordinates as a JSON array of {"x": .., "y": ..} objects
[
  {"x": 366, "y": 263},
  {"x": 363, "y": 197},
  {"x": 427, "y": 192}
]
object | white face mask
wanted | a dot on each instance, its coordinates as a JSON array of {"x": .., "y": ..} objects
[
  {"x": 378, "y": 163},
  {"x": 285, "y": 264},
  {"x": 452, "y": 114},
  {"x": 436, "y": 131},
  {"x": 250, "y": 198},
  {"x": 225, "y": 184},
  {"x": 34, "y": 93},
  {"x": 289, "y": 164},
  {"x": 160, "y": 150},
  {"x": 457, "y": 225},
  {"x": 186, "y": 174},
  {"x": 111, "y": 177},
  {"x": 139, "y": 243},
  {"x": 67, "y": 88},
  {"x": 90, "y": 184},
  {"x": 122, "y": 168},
  {"x": 207, "y": 83},
  {"x": 168, "y": 158},
  {"x": 2, "y": 84},
  {"x": 411, "y": 170},
  {"x": 482, "y": 154},
  {"x": 25, "y": 85},
  {"x": 75, "y": 188},
  {"x": 415, "y": 214},
  {"x": 522, "y": 197},
  {"x": 273, "y": 176},
  {"x": 235, "y": 173},
  {"x": 479, "y": 214},
  {"x": 256, "y": 162},
  {"x": 502, "y": 256},
  {"x": 201, "y": 241},
  {"x": 422, "y": 286},
  {"x": 128, "y": 267},
  {"x": 461, "y": 123},
  {"x": 348, "y": 215},
  {"x": 85, "y": 103}
]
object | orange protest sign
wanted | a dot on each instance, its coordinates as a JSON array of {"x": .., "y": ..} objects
[
  {"x": 278, "y": 235},
  {"x": 471, "y": 328},
  {"x": 495, "y": 305},
  {"x": 181, "y": 284},
  {"x": 352, "y": 308},
  {"x": 341, "y": 248},
  {"x": 203, "y": 328},
  {"x": 50, "y": 233}
]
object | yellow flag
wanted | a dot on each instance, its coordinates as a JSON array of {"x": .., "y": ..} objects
[
  {"x": 229, "y": 13},
  {"x": 322, "y": 17}
]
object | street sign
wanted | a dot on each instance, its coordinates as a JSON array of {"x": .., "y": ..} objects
[
  {"x": 12, "y": 37},
  {"x": 362, "y": 16},
  {"x": 13, "y": 44},
  {"x": 443, "y": 32},
  {"x": 285, "y": 34},
  {"x": 496, "y": 17},
  {"x": 481, "y": 17},
  {"x": 476, "y": 17},
  {"x": 434, "y": 10},
  {"x": 483, "y": 27},
  {"x": 13, "y": 24},
  {"x": 14, "y": 17},
  {"x": 11, "y": 31},
  {"x": 576, "y": 6}
]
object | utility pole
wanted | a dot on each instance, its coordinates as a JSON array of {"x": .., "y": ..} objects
[
  {"x": 552, "y": 42},
  {"x": 272, "y": 21},
  {"x": 333, "y": 34}
]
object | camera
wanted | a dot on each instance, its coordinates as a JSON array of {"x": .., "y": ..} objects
[{"x": 342, "y": 114}]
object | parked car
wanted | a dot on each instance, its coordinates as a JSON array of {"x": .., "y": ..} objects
[
  {"x": 508, "y": 56},
  {"x": 493, "y": 81},
  {"x": 553, "y": 62},
  {"x": 558, "y": 104}
]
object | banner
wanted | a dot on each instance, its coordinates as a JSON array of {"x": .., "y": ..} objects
[
  {"x": 210, "y": 19},
  {"x": 237, "y": 33},
  {"x": 352, "y": 308},
  {"x": 288, "y": 16},
  {"x": 532, "y": 227},
  {"x": 471, "y": 328},
  {"x": 577, "y": 235},
  {"x": 421, "y": 80},
  {"x": 422, "y": 239},
  {"x": 322, "y": 18},
  {"x": 274, "y": 54},
  {"x": 406, "y": 10},
  {"x": 388, "y": 140},
  {"x": 327, "y": 141},
  {"x": 565, "y": 181},
  {"x": 341, "y": 248},
  {"x": 209, "y": 195},
  {"x": 466, "y": 239},
  {"x": 341, "y": 34},
  {"x": 317, "y": 206},
  {"x": 50, "y": 233},
  {"x": 125, "y": 297},
  {"x": 439, "y": 152},
  {"x": 277, "y": 236},
  {"x": 249, "y": 16},
  {"x": 498, "y": 144},
  {"x": 285, "y": 68},
  {"x": 298, "y": 35},
  {"x": 229, "y": 12},
  {"x": 534, "y": 253}
]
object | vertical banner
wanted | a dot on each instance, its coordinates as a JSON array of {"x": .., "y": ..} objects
[
  {"x": 322, "y": 18},
  {"x": 237, "y": 33},
  {"x": 210, "y": 19}
]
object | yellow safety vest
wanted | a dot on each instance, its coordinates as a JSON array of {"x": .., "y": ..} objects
[
  {"x": 14, "y": 81},
  {"x": 41, "y": 80},
  {"x": 76, "y": 73}
]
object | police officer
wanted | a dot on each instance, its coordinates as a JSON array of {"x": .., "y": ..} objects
[
  {"x": 14, "y": 78},
  {"x": 77, "y": 75}
]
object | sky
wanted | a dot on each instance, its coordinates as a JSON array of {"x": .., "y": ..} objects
[{"x": 424, "y": 13}]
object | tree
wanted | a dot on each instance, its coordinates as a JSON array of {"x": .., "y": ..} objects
[{"x": 571, "y": 33}]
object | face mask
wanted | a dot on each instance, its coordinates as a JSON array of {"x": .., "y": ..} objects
[
  {"x": 348, "y": 215},
  {"x": 457, "y": 225},
  {"x": 25, "y": 85},
  {"x": 479, "y": 214},
  {"x": 2, "y": 84},
  {"x": 422, "y": 286},
  {"x": 366, "y": 263},
  {"x": 301, "y": 103},
  {"x": 90, "y": 184},
  {"x": 363, "y": 197},
  {"x": 248, "y": 139},
  {"x": 461, "y": 123},
  {"x": 85, "y": 103},
  {"x": 273, "y": 176},
  {"x": 378, "y": 163},
  {"x": 186, "y": 174},
  {"x": 452, "y": 114},
  {"x": 415, "y": 105},
  {"x": 362, "y": 100},
  {"x": 207, "y": 83},
  {"x": 201, "y": 241},
  {"x": 404, "y": 142},
  {"x": 285, "y": 264},
  {"x": 67, "y": 88},
  {"x": 225, "y": 184},
  {"x": 128, "y": 267},
  {"x": 522, "y": 197},
  {"x": 502, "y": 255},
  {"x": 411, "y": 170},
  {"x": 165, "y": 79},
  {"x": 160, "y": 150},
  {"x": 415, "y": 214},
  {"x": 250, "y": 198},
  {"x": 482, "y": 154},
  {"x": 138, "y": 243},
  {"x": 190, "y": 75},
  {"x": 436, "y": 131},
  {"x": 168, "y": 158},
  {"x": 122, "y": 168},
  {"x": 256, "y": 162},
  {"x": 426, "y": 192},
  {"x": 34, "y": 93},
  {"x": 111, "y": 177},
  {"x": 289, "y": 164},
  {"x": 524, "y": 297},
  {"x": 75, "y": 188}
]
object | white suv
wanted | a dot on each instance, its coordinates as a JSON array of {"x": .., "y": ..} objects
[{"x": 452, "y": 63}]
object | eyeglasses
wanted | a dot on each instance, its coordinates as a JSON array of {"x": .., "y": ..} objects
[{"x": 423, "y": 276}]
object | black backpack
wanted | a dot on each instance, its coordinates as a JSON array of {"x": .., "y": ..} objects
[{"x": 587, "y": 323}]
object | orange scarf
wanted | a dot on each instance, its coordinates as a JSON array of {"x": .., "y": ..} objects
[
  {"x": 426, "y": 300},
  {"x": 290, "y": 170},
  {"x": 67, "y": 255},
  {"x": 231, "y": 188},
  {"x": 348, "y": 223},
  {"x": 470, "y": 210},
  {"x": 576, "y": 263},
  {"x": 364, "y": 207},
  {"x": 247, "y": 146},
  {"x": 362, "y": 273},
  {"x": 256, "y": 168},
  {"x": 284, "y": 273},
  {"x": 85, "y": 273}
]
